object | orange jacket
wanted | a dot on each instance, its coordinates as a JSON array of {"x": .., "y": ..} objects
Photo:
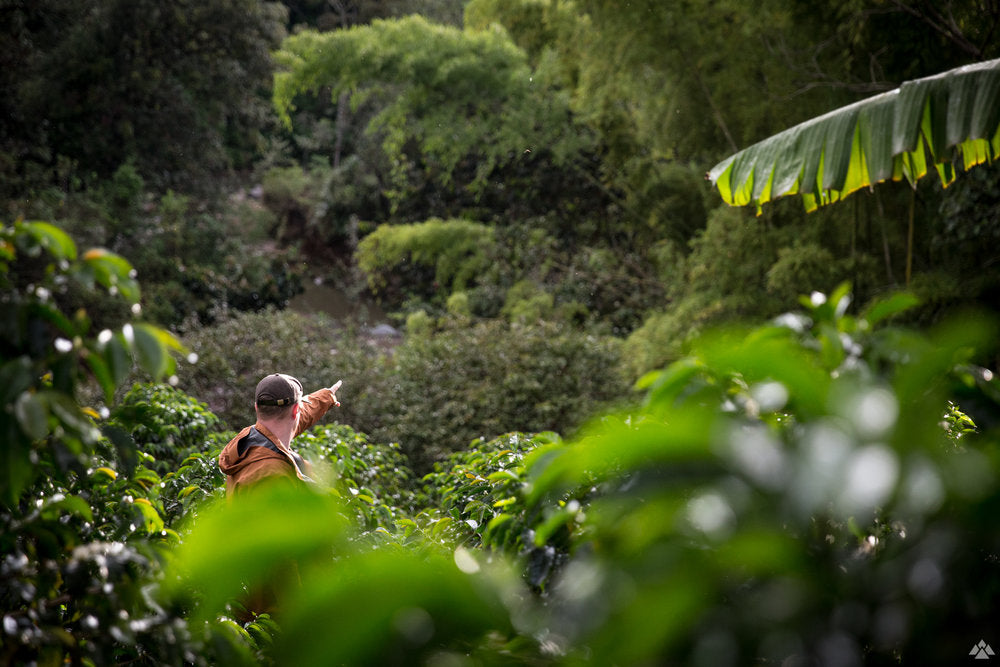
[{"x": 254, "y": 464}]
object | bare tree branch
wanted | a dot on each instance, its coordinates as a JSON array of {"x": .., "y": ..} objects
[{"x": 928, "y": 14}]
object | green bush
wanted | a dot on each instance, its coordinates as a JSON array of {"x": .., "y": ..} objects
[
  {"x": 196, "y": 258},
  {"x": 165, "y": 423},
  {"x": 452, "y": 253},
  {"x": 374, "y": 479},
  {"x": 527, "y": 303},
  {"x": 475, "y": 499},
  {"x": 774, "y": 479},
  {"x": 236, "y": 353},
  {"x": 443, "y": 391},
  {"x": 737, "y": 269},
  {"x": 433, "y": 394},
  {"x": 82, "y": 524}
]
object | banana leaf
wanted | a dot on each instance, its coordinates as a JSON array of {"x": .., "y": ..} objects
[{"x": 950, "y": 121}]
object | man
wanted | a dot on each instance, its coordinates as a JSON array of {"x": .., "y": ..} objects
[{"x": 262, "y": 452}]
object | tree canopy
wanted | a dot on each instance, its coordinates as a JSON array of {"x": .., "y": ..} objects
[{"x": 467, "y": 102}]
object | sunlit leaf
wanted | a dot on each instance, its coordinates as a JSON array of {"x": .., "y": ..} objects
[
  {"x": 151, "y": 520},
  {"x": 885, "y": 308},
  {"x": 55, "y": 506},
  {"x": 614, "y": 445},
  {"x": 289, "y": 524},
  {"x": 111, "y": 271},
  {"x": 769, "y": 353},
  {"x": 104, "y": 474},
  {"x": 53, "y": 239},
  {"x": 952, "y": 117},
  {"x": 188, "y": 490},
  {"x": 406, "y": 608}
]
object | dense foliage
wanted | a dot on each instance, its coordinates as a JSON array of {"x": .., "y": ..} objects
[
  {"x": 592, "y": 434},
  {"x": 816, "y": 488},
  {"x": 798, "y": 490},
  {"x": 433, "y": 394},
  {"x": 139, "y": 71}
]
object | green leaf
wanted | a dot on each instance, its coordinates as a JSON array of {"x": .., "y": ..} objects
[
  {"x": 111, "y": 271},
  {"x": 72, "y": 417},
  {"x": 441, "y": 525},
  {"x": 544, "y": 531},
  {"x": 15, "y": 377},
  {"x": 150, "y": 353},
  {"x": 289, "y": 524},
  {"x": 399, "y": 603},
  {"x": 16, "y": 469},
  {"x": 152, "y": 346},
  {"x": 117, "y": 359},
  {"x": 884, "y": 308},
  {"x": 56, "y": 317},
  {"x": 616, "y": 444},
  {"x": 53, "y": 239},
  {"x": 104, "y": 475},
  {"x": 954, "y": 116},
  {"x": 54, "y": 506},
  {"x": 152, "y": 522},
  {"x": 102, "y": 373},
  {"x": 32, "y": 414}
]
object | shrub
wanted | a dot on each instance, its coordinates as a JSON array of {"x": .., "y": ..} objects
[
  {"x": 451, "y": 252},
  {"x": 235, "y": 354},
  {"x": 373, "y": 478},
  {"x": 475, "y": 497},
  {"x": 433, "y": 394},
  {"x": 800, "y": 464},
  {"x": 83, "y": 543},
  {"x": 165, "y": 423},
  {"x": 446, "y": 390},
  {"x": 527, "y": 303}
]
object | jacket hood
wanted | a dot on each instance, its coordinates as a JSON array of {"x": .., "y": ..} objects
[
  {"x": 245, "y": 466},
  {"x": 232, "y": 461}
]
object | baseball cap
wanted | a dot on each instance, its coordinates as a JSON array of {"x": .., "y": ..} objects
[{"x": 278, "y": 389}]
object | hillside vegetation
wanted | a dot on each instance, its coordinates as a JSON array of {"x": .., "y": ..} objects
[{"x": 613, "y": 421}]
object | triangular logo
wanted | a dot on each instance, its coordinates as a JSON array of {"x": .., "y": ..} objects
[{"x": 982, "y": 651}]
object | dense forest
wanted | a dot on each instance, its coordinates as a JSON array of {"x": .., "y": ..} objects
[{"x": 592, "y": 413}]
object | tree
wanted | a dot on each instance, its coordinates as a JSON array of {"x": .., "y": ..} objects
[
  {"x": 178, "y": 87},
  {"x": 452, "y": 107}
]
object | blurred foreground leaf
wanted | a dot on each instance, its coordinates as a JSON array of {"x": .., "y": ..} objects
[{"x": 252, "y": 541}]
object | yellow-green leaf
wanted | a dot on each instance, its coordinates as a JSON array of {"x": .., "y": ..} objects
[{"x": 952, "y": 117}]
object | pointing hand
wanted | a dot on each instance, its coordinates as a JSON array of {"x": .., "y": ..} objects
[{"x": 333, "y": 390}]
